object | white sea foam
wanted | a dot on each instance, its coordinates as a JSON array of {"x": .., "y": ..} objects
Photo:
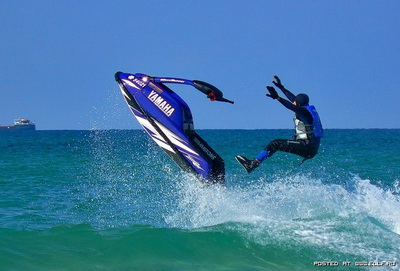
[{"x": 364, "y": 222}]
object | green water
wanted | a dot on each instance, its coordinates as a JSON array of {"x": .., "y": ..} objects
[{"x": 111, "y": 200}]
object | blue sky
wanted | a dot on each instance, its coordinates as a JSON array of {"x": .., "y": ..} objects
[{"x": 58, "y": 59}]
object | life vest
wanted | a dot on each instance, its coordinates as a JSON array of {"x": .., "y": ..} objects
[{"x": 305, "y": 131}]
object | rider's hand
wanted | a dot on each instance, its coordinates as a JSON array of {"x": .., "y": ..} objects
[
  {"x": 277, "y": 82},
  {"x": 272, "y": 93}
]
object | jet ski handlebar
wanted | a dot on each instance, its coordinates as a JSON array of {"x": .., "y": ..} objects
[{"x": 213, "y": 93}]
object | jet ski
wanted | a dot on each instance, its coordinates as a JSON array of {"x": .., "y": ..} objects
[{"x": 167, "y": 119}]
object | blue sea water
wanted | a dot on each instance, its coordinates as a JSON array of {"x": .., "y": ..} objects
[{"x": 111, "y": 200}]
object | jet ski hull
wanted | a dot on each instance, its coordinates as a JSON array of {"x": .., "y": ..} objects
[{"x": 167, "y": 119}]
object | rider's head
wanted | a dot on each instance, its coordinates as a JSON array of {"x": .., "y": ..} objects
[{"x": 301, "y": 100}]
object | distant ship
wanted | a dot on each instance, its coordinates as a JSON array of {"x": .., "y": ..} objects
[{"x": 20, "y": 124}]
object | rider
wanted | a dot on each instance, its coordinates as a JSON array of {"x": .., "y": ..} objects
[{"x": 307, "y": 125}]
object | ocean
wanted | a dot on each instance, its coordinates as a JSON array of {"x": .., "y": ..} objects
[{"x": 112, "y": 200}]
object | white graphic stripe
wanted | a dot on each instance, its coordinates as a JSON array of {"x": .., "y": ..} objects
[
  {"x": 129, "y": 83},
  {"x": 185, "y": 150},
  {"x": 124, "y": 93},
  {"x": 175, "y": 139},
  {"x": 154, "y": 134}
]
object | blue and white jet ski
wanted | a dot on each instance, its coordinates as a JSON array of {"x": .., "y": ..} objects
[{"x": 168, "y": 121}]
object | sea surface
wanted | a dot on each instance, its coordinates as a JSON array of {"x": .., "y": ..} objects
[{"x": 112, "y": 200}]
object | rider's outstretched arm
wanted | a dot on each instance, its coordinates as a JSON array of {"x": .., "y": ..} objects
[{"x": 278, "y": 84}]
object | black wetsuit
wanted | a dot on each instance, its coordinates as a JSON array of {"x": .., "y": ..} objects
[{"x": 306, "y": 148}]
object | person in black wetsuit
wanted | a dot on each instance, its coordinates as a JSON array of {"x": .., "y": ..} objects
[{"x": 307, "y": 124}]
